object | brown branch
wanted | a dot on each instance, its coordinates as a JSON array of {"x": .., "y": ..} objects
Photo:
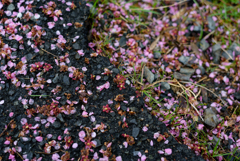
[
  {"x": 19, "y": 155},
  {"x": 49, "y": 53},
  {"x": 6, "y": 127},
  {"x": 49, "y": 153}
]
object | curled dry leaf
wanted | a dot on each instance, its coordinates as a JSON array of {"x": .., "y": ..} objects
[
  {"x": 77, "y": 24},
  {"x": 66, "y": 156},
  {"x": 119, "y": 98},
  {"x": 154, "y": 44}
]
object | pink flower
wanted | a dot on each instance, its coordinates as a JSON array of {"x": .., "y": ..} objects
[
  {"x": 82, "y": 134},
  {"x": 98, "y": 77},
  {"x": 95, "y": 156},
  {"x": 115, "y": 29},
  {"x": 156, "y": 135},
  {"x": 143, "y": 157},
  {"x": 1, "y": 102},
  {"x": 200, "y": 127},
  {"x": 160, "y": 152},
  {"x": 198, "y": 71},
  {"x": 55, "y": 157},
  {"x": 23, "y": 121},
  {"x": 75, "y": 145},
  {"x": 11, "y": 114},
  {"x": 212, "y": 75},
  {"x": 51, "y": 119},
  {"x": 61, "y": 39},
  {"x": 84, "y": 69},
  {"x": 7, "y": 142},
  {"x": 24, "y": 101},
  {"x": 18, "y": 37},
  {"x": 125, "y": 144},
  {"x": 11, "y": 157},
  {"x": 66, "y": 131},
  {"x": 31, "y": 101},
  {"x": 85, "y": 114},
  {"x": 151, "y": 143},
  {"x": 107, "y": 85},
  {"x": 49, "y": 136},
  {"x": 39, "y": 138},
  {"x": 168, "y": 151},
  {"x": 51, "y": 25},
  {"x": 226, "y": 80},
  {"x": 59, "y": 137},
  {"x": 91, "y": 45},
  {"x": 80, "y": 52},
  {"x": 118, "y": 158},
  {"x": 145, "y": 129},
  {"x": 11, "y": 64}
]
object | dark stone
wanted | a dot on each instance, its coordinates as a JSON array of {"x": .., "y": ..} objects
[
  {"x": 30, "y": 155},
  {"x": 237, "y": 95},
  {"x": 76, "y": 46},
  {"x": 157, "y": 54},
  {"x": 115, "y": 70},
  {"x": 228, "y": 55},
  {"x": 59, "y": 116},
  {"x": 56, "y": 78},
  {"x": 3, "y": 62},
  {"x": 11, "y": 92},
  {"x": 181, "y": 76},
  {"x": 122, "y": 41},
  {"x": 184, "y": 59},
  {"x": 135, "y": 132},
  {"x": 211, "y": 23},
  {"x": 98, "y": 143},
  {"x": 204, "y": 45},
  {"x": 29, "y": 56},
  {"x": 187, "y": 71},
  {"x": 78, "y": 123},
  {"x": 165, "y": 86},
  {"x": 11, "y": 7},
  {"x": 56, "y": 124},
  {"x": 77, "y": 56},
  {"x": 133, "y": 121},
  {"x": 95, "y": 97},
  {"x": 66, "y": 80},
  {"x": 148, "y": 75}
]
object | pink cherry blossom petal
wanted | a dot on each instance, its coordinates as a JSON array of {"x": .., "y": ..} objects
[
  {"x": 75, "y": 145},
  {"x": 23, "y": 121},
  {"x": 168, "y": 151},
  {"x": 11, "y": 114}
]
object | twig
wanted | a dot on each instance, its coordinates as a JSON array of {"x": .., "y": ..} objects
[
  {"x": 223, "y": 49},
  {"x": 6, "y": 127},
  {"x": 49, "y": 53},
  {"x": 19, "y": 155},
  {"x": 207, "y": 36},
  {"x": 150, "y": 85},
  {"x": 207, "y": 90},
  {"x": 49, "y": 153},
  {"x": 169, "y": 50},
  {"x": 193, "y": 107}
]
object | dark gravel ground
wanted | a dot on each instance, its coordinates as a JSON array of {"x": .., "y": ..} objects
[{"x": 28, "y": 146}]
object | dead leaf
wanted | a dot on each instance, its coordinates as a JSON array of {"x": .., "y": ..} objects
[
  {"x": 65, "y": 156},
  {"x": 195, "y": 48},
  {"x": 231, "y": 122},
  {"x": 179, "y": 14},
  {"x": 154, "y": 44},
  {"x": 204, "y": 95}
]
